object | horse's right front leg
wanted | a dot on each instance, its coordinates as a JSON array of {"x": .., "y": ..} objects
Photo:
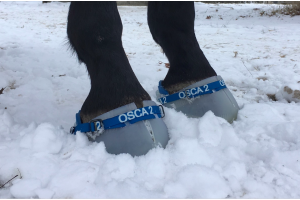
[{"x": 94, "y": 32}]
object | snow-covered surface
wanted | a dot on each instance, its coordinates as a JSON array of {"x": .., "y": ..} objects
[{"x": 255, "y": 157}]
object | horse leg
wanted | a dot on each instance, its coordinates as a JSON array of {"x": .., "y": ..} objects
[
  {"x": 94, "y": 32},
  {"x": 172, "y": 27}
]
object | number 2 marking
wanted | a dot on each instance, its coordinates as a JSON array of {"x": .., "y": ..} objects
[
  {"x": 98, "y": 125},
  {"x": 163, "y": 100},
  {"x": 150, "y": 107},
  {"x": 206, "y": 88},
  {"x": 222, "y": 83}
]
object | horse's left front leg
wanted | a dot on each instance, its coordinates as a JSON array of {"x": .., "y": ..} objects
[{"x": 191, "y": 80}]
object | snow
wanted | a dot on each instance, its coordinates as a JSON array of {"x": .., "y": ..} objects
[{"x": 255, "y": 157}]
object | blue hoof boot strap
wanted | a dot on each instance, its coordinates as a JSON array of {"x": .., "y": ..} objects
[
  {"x": 198, "y": 98},
  {"x": 127, "y": 129}
]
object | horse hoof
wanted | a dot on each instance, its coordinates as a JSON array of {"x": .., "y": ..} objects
[
  {"x": 135, "y": 138},
  {"x": 198, "y": 98}
]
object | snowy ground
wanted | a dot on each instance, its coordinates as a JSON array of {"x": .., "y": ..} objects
[{"x": 255, "y": 157}]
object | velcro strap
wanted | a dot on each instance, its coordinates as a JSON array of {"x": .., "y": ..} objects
[
  {"x": 132, "y": 117},
  {"x": 193, "y": 92}
]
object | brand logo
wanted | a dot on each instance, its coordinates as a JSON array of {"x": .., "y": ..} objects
[
  {"x": 135, "y": 114},
  {"x": 193, "y": 91}
]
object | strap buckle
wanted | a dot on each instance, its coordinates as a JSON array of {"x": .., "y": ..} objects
[
  {"x": 163, "y": 111},
  {"x": 98, "y": 128},
  {"x": 98, "y": 125},
  {"x": 72, "y": 129}
]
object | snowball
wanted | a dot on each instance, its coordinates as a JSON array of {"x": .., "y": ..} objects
[{"x": 47, "y": 138}]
